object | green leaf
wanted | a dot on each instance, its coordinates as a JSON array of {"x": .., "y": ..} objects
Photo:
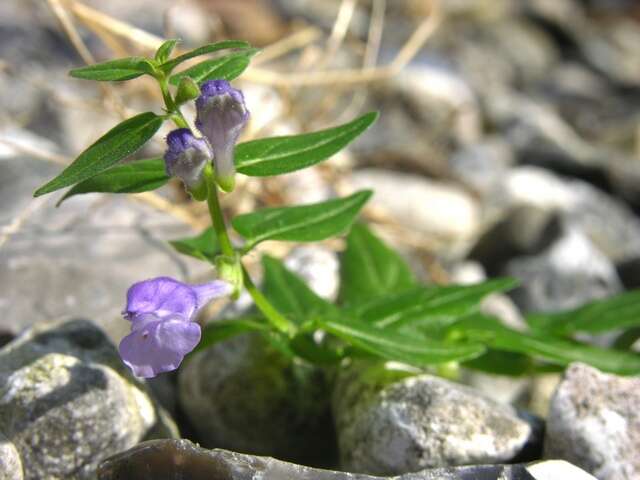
[
  {"x": 226, "y": 68},
  {"x": 203, "y": 247},
  {"x": 289, "y": 293},
  {"x": 221, "y": 330},
  {"x": 320, "y": 354},
  {"x": 210, "y": 48},
  {"x": 134, "y": 177},
  {"x": 114, "y": 70},
  {"x": 395, "y": 346},
  {"x": 278, "y": 155},
  {"x": 429, "y": 306},
  {"x": 547, "y": 347},
  {"x": 369, "y": 268},
  {"x": 502, "y": 363},
  {"x": 164, "y": 50},
  {"x": 619, "y": 312},
  {"x": 119, "y": 142},
  {"x": 305, "y": 223}
]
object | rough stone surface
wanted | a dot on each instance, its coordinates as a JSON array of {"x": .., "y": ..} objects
[
  {"x": 10, "y": 463},
  {"x": 319, "y": 267},
  {"x": 442, "y": 211},
  {"x": 67, "y": 401},
  {"x": 180, "y": 459},
  {"x": 243, "y": 395},
  {"x": 389, "y": 427},
  {"x": 570, "y": 273},
  {"x": 594, "y": 422}
]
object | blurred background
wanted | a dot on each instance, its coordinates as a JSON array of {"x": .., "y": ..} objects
[{"x": 508, "y": 142}]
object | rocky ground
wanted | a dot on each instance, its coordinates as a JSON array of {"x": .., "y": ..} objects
[{"x": 509, "y": 145}]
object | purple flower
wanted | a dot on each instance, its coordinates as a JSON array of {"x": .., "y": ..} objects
[
  {"x": 161, "y": 311},
  {"x": 221, "y": 116},
  {"x": 186, "y": 156}
]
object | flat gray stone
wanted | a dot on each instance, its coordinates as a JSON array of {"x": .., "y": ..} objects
[
  {"x": 389, "y": 425},
  {"x": 67, "y": 401},
  {"x": 594, "y": 422}
]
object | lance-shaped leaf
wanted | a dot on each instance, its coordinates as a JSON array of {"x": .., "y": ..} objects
[
  {"x": 114, "y": 70},
  {"x": 428, "y": 307},
  {"x": 289, "y": 293},
  {"x": 164, "y": 50},
  {"x": 278, "y": 155},
  {"x": 116, "y": 144},
  {"x": 210, "y": 48},
  {"x": 369, "y": 268},
  {"x": 203, "y": 246},
  {"x": 225, "y": 68},
  {"x": 545, "y": 347},
  {"x": 395, "y": 346},
  {"x": 305, "y": 223},
  {"x": 618, "y": 312},
  {"x": 134, "y": 177}
]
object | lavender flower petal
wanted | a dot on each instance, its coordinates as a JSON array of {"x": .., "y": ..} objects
[
  {"x": 186, "y": 156},
  {"x": 208, "y": 291},
  {"x": 159, "y": 346},
  {"x": 161, "y": 296},
  {"x": 221, "y": 116}
]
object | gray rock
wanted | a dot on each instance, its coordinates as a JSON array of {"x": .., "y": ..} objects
[
  {"x": 181, "y": 459},
  {"x": 10, "y": 463},
  {"x": 446, "y": 214},
  {"x": 243, "y": 395},
  {"x": 388, "y": 425},
  {"x": 67, "y": 401},
  {"x": 570, "y": 273},
  {"x": 594, "y": 422},
  {"x": 319, "y": 267}
]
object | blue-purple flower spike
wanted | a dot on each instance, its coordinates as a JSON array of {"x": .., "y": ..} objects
[
  {"x": 163, "y": 331},
  {"x": 186, "y": 156},
  {"x": 221, "y": 116}
]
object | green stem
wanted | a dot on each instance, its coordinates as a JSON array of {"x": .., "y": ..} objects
[
  {"x": 278, "y": 320},
  {"x": 170, "y": 104},
  {"x": 217, "y": 219}
]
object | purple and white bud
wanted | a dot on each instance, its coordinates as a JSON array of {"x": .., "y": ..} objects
[
  {"x": 187, "y": 156},
  {"x": 221, "y": 116}
]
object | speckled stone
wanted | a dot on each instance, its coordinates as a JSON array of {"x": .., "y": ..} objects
[
  {"x": 388, "y": 425},
  {"x": 594, "y": 422},
  {"x": 67, "y": 401}
]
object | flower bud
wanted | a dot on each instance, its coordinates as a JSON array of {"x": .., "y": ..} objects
[
  {"x": 186, "y": 157},
  {"x": 187, "y": 90},
  {"x": 221, "y": 116}
]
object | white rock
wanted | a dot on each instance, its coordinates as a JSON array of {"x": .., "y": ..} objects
[
  {"x": 594, "y": 423},
  {"x": 557, "y": 470}
]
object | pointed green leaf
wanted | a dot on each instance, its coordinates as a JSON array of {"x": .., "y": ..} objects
[
  {"x": 226, "y": 68},
  {"x": 210, "y": 48},
  {"x": 164, "y": 50},
  {"x": 134, "y": 177},
  {"x": 395, "y": 346},
  {"x": 114, "y": 70},
  {"x": 289, "y": 293},
  {"x": 203, "y": 247},
  {"x": 431, "y": 307},
  {"x": 618, "y": 312},
  {"x": 305, "y": 223},
  {"x": 544, "y": 346},
  {"x": 278, "y": 155},
  {"x": 369, "y": 268},
  {"x": 119, "y": 142}
]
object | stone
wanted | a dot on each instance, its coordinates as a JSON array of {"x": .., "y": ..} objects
[
  {"x": 67, "y": 401},
  {"x": 442, "y": 211},
  {"x": 243, "y": 395},
  {"x": 570, "y": 273},
  {"x": 181, "y": 459},
  {"x": 594, "y": 422},
  {"x": 10, "y": 463},
  {"x": 319, "y": 268},
  {"x": 388, "y": 424}
]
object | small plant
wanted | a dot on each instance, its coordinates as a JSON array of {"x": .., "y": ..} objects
[{"x": 383, "y": 311}]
